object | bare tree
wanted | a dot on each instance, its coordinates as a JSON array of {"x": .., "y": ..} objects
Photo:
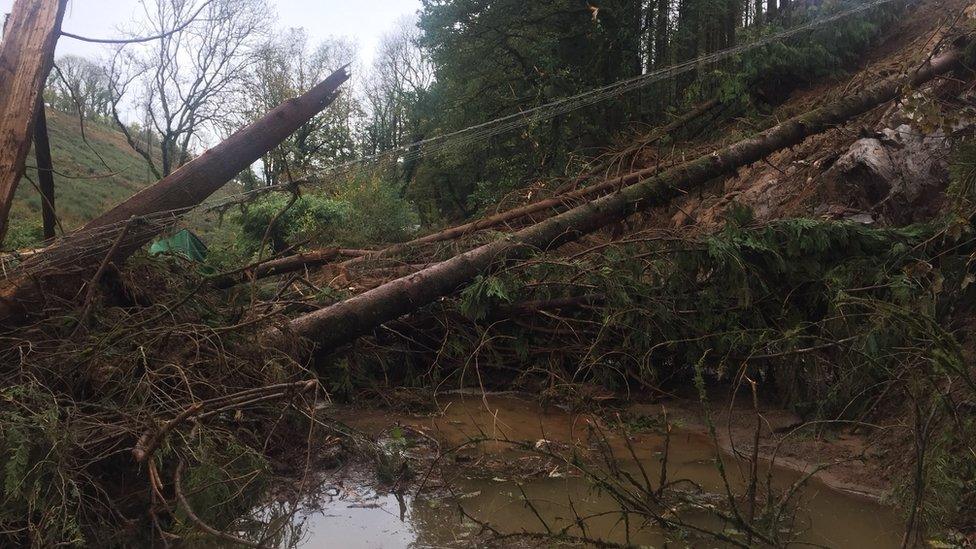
[
  {"x": 80, "y": 85},
  {"x": 286, "y": 67},
  {"x": 183, "y": 79},
  {"x": 400, "y": 73}
]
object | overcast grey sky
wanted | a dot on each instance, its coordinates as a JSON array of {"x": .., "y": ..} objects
[{"x": 362, "y": 20}]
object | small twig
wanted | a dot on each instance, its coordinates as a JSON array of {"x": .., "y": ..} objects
[
  {"x": 667, "y": 450},
  {"x": 531, "y": 506},
  {"x": 93, "y": 283}
]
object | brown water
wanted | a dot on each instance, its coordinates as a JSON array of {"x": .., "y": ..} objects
[{"x": 363, "y": 518}]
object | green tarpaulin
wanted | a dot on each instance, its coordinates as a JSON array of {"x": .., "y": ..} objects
[{"x": 184, "y": 243}]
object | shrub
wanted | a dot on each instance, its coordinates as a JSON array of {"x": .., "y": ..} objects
[
  {"x": 287, "y": 222},
  {"x": 376, "y": 212}
]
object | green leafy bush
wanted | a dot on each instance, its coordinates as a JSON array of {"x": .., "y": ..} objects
[
  {"x": 376, "y": 213},
  {"x": 281, "y": 220}
]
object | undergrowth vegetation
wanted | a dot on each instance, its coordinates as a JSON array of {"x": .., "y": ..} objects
[{"x": 362, "y": 211}]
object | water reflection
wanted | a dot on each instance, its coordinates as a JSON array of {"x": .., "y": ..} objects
[
  {"x": 388, "y": 521},
  {"x": 362, "y": 518}
]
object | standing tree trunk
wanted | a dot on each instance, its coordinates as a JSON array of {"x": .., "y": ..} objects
[
  {"x": 45, "y": 171},
  {"x": 26, "y": 55},
  {"x": 662, "y": 24},
  {"x": 60, "y": 270},
  {"x": 733, "y": 14},
  {"x": 342, "y": 322}
]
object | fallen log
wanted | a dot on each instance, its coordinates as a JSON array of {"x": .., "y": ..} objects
[
  {"x": 343, "y": 322},
  {"x": 285, "y": 265},
  {"x": 26, "y": 56},
  {"x": 62, "y": 269},
  {"x": 563, "y": 201}
]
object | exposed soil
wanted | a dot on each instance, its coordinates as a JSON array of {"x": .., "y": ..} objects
[{"x": 798, "y": 182}]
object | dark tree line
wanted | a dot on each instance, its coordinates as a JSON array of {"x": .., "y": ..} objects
[{"x": 493, "y": 58}]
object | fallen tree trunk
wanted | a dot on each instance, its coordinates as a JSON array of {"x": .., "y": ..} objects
[
  {"x": 561, "y": 202},
  {"x": 61, "y": 269},
  {"x": 558, "y": 203},
  {"x": 341, "y": 323},
  {"x": 285, "y": 265},
  {"x": 26, "y": 55}
]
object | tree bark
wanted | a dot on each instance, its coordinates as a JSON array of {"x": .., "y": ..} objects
[
  {"x": 61, "y": 269},
  {"x": 26, "y": 55},
  {"x": 45, "y": 171},
  {"x": 341, "y": 323}
]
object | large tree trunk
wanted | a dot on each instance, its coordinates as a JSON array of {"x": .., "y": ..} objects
[
  {"x": 61, "y": 269},
  {"x": 342, "y": 322},
  {"x": 662, "y": 23},
  {"x": 26, "y": 54}
]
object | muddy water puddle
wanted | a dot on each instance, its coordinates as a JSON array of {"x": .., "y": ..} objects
[{"x": 492, "y": 480}]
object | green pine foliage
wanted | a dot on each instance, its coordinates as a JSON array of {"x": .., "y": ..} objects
[
  {"x": 771, "y": 73},
  {"x": 498, "y": 58},
  {"x": 35, "y": 449}
]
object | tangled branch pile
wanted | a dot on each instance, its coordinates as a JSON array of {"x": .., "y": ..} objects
[{"x": 99, "y": 415}]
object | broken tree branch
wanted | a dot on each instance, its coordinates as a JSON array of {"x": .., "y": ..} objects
[{"x": 285, "y": 265}]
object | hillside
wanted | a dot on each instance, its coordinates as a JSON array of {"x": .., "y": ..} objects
[{"x": 90, "y": 177}]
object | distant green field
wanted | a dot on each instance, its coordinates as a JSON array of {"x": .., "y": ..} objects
[{"x": 85, "y": 186}]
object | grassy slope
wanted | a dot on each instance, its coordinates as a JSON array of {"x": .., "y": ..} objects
[{"x": 85, "y": 186}]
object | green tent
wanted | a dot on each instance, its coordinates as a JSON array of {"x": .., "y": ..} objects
[{"x": 183, "y": 243}]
